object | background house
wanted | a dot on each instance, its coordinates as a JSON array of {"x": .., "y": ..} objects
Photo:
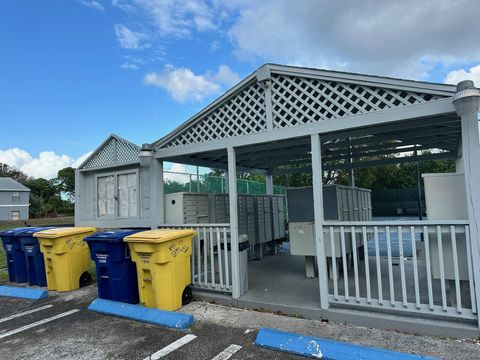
[{"x": 14, "y": 200}]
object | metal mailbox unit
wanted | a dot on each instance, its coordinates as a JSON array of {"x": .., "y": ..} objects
[
  {"x": 340, "y": 203},
  {"x": 261, "y": 217}
]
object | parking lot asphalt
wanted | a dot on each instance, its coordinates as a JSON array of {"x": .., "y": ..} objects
[
  {"x": 83, "y": 334},
  {"x": 61, "y": 327}
]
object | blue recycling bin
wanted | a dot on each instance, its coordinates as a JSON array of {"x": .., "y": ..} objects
[
  {"x": 33, "y": 257},
  {"x": 16, "y": 264},
  {"x": 116, "y": 273}
]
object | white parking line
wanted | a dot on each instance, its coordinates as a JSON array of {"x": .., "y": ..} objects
[
  {"x": 38, "y": 323},
  {"x": 14, "y": 316},
  {"x": 228, "y": 352},
  {"x": 172, "y": 347}
]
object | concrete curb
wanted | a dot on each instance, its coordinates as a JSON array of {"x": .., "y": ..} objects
[
  {"x": 169, "y": 319},
  {"x": 319, "y": 348},
  {"x": 24, "y": 293}
]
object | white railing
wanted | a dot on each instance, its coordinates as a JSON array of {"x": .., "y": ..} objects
[
  {"x": 413, "y": 266},
  {"x": 211, "y": 258}
]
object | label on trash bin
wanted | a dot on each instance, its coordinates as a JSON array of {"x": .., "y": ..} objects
[
  {"x": 102, "y": 258},
  {"x": 145, "y": 257},
  {"x": 29, "y": 249},
  {"x": 9, "y": 247},
  {"x": 177, "y": 247},
  {"x": 70, "y": 243}
]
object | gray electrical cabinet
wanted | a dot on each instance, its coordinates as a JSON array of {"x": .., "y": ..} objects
[
  {"x": 341, "y": 203},
  {"x": 446, "y": 199},
  {"x": 186, "y": 208}
]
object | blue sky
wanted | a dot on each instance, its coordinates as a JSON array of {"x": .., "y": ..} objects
[{"x": 74, "y": 71}]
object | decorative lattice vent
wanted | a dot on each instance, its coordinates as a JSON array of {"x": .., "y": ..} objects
[
  {"x": 114, "y": 152},
  {"x": 242, "y": 114},
  {"x": 297, "y": 100}
]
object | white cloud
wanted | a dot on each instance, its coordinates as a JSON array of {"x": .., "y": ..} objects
[
  {"x": 399, "y": 38},
  {"x": 183, "y": 85},
  {"x": 175, "y": 17},
  {"x": 127, "y": 65},
  {"x": 129, "y": 39},
  {"x": 455, "y": 76},
  {"x": 46, "y": 165},
  {"x": 177, "y": 173},
  {"x": 92, "y": 4},
  {"x": 225, "y": 76}
]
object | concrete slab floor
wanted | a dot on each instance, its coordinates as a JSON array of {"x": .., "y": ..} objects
[{"x": 281, "y": 280}]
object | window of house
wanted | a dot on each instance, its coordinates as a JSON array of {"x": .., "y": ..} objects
[
  {"x": 15, "y": 198},
  {"x": 15, "y": 215},
  {"x": 117, "y": 195}
]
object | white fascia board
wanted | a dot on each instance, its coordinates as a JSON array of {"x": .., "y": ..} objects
[
  {"x": 16, "y": 190},
  {"x": 409, "y": 112},
  {"x": 362, "y": 79},
  {"x": 15, "y": 205}
]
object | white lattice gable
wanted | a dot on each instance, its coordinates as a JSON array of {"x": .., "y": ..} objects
[
  {"x": 277, "y": 97},
  {"x": 113, "y": 151}
]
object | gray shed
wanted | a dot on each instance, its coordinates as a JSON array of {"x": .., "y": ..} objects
[
  {"x": 14, "y": 200},
  {"x": 112, "y": 187}
]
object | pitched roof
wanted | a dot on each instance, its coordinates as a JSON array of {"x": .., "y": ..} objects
[
  {"x": 242, "y": 109},
  {"x": 7, "y": 184},
  {"x": 112, "y": 152}
]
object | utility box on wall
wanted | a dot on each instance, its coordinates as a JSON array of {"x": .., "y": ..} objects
[{"x": 446, "y": 199}]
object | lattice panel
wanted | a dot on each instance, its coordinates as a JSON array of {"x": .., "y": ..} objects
[
  {"x": 297, "y": 100},
  {"x": 243, "y": 114},
  {"x": 114, "y": 152}
]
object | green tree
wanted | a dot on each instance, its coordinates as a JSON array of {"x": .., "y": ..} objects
[
  {"x": 65, "y": 182},
  {"x": 12, "y": 172}
]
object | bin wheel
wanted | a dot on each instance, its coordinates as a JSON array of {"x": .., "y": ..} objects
[
  {"x": 85, "y": 279},
  {"x": 187, "y": 295}
]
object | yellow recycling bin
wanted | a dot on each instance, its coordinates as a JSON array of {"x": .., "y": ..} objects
[
  {"x": 67, "y": 258},
  {"x": 162, "y": 258}
]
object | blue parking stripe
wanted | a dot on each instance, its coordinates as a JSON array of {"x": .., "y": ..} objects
[
  {"x": 165, "y": 318},
  {"x": 24, "y": 293},
  {"x": 319, "y": 348}
]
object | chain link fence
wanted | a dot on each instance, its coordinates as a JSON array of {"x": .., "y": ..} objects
[
  {"x": 397, "y": 202},
  {"x": 187, "y": 182}
]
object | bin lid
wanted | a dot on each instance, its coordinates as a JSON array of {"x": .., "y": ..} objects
[
  {"x": 12, "y": 232},
  {"x": 63, "y": 231},
  {"x": 159, "y": 235},
  {"x": 31, "y": 230},
  {"x": 111, "y": 235}
]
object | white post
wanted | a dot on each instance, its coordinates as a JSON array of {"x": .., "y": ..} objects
[
  {"x": 467, "y": 105},
  {"x": 351, "y": 175},
  {"x": 79, "y": 190},
  {"x": 233, "y": 198},
  {"x": 226, "y": 179},
  {"x": 160, "y": 193},
  {"x": 157, "y": 194},
  {"x": 198, "y": 180},
  {"x": 319, "y": 218},
  {"x": 269, "y": 184}
]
